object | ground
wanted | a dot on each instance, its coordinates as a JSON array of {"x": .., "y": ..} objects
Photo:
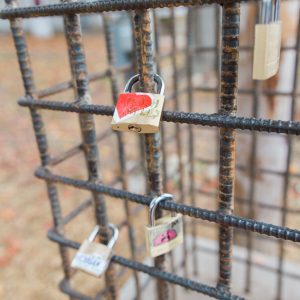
[{"x": 30, "y": 267}]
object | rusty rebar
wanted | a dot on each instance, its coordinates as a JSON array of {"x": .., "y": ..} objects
[
  {"x": 288, "y": 163},
  {"x": 229, "y": 74},
  {"x": 87, "y": 125},
  {"x": 144, "y": 53},
  {"x": 120, "y": 142},
  {"x": 39, "y": 130}
]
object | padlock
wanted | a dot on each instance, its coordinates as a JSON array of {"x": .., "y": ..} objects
[
  {"x": 267, "y": 40},
  {"x": 164, "y": 234},
  {"x": 139, "y": 112},
  {"x": 92, "y": 257}
]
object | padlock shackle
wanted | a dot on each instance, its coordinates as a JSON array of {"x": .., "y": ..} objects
[
  {"x": 269, "y": 11},
  {"x": 153, "y": 205},
  {"x": 276, "y": 10},
  {"x": 114, "y": 237},
  {"x": 134, "y": 79}
]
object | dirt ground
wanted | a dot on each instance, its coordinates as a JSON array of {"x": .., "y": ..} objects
[{"x": 30, "y": 267}]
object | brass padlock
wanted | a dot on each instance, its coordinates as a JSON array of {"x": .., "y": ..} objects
[
  {"x": 267, "y": 40},
  {"x": 139, "y": 112},
  {"x": 166, "y": 233},
  {"x": 94, "y": 258}
]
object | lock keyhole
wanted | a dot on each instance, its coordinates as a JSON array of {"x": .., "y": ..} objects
[{"x": 134, "y": 128}]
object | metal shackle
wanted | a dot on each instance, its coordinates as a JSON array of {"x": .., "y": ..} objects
[
  {"x": 153, "y": 205},
  {"x": 269, "y": 11},
  {"x": 134, "y": 79},
  {"x": 114, "y": 237}
]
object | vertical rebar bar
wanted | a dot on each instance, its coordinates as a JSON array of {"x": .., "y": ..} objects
[
  {"x": 229, "y": 75},
  {"x": 39, "y": 131},
  {"x": 252, "y": 162},
  {"x": 120, "y": 141},
  {"x": 163, "y": 137},
  {"x": 177, "y": 132},
  {"x": 87, "y": 125},
  {"x": 191, "y": 151},
  {"x": 288, "y": 163},
  {"x": 162, "y": 129},
  {"x": 144, "y": 52}
]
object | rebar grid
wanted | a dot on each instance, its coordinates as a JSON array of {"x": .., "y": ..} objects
[{"x": 225, "y": 120}]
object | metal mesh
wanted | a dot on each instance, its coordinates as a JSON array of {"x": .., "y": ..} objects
[{"x": 226, "y": 55}]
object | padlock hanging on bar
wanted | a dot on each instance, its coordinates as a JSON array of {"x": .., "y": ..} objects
[
  {"x": 94, "y": 258},
  {"x": 267, "y": 40},
  {"x": 164, "y": 234},
  {"x": 139, "y": 112}
]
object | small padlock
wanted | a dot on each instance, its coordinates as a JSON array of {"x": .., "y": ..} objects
[
  {"x": 139, "y": 112},
  {"x": 166, "y": 233},
  {"x": 94, "y": 258},
  {"x": 267, "y": 40}
]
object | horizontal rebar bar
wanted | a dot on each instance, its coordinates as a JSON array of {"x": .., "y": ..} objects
[
  {"x": 218, "y": 120},
  {"x": 154, "y": 272},
  {"x": 101, "y": 6},
  {"x": 195, "y": 212}
]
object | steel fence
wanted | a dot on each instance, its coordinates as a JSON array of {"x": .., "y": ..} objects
[{"x": 153, "y": 151}]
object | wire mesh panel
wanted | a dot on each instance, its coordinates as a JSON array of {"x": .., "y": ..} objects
[{"x": 142, "y": 163}]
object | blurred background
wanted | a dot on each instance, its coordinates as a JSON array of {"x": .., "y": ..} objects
[{"x": 30, "y": 267}]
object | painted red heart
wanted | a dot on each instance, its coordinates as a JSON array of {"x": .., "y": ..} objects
[{"x": 129, "y": 103}]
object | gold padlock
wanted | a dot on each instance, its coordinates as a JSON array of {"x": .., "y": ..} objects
[
  {"x": 164, "y": 234},
  {"x": 139, "y": 112},
  {"x": 267, "y": 41},
  {"x": 94, "y": 258}
]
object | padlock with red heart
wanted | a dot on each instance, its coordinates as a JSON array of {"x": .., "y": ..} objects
[{"x": 139, "y": 112}]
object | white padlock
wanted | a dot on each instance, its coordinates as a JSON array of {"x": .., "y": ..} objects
[
  {"x": 166, "y": 233},
  {"x": 267, "y": 41},
  {"x": 92, "y": 257}
]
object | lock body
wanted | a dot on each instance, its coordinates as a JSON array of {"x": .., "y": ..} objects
[
  {"x": 165, "y": 235},
  {"x": 267, "y": 41},
  {"x": 266, "y": 50},
  {"x": 138, "y": 112},
  {"x": 92, "y": 258}
]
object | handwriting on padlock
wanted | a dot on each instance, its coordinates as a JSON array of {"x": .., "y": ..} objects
[
  {"x": 139, "y": 112},
  {"x": 131, "y": 104}
]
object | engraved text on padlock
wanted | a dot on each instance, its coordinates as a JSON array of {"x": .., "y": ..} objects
[{"x": 93, "y": 257}]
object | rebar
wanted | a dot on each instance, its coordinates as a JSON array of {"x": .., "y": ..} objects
[{"x": 225, "y": 65}]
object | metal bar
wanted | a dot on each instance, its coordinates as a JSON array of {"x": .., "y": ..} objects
[
  {"x": 255, "y": 263},
  {"x": 229, "y": 73},
  {"x": 144, "y": 53},
  {"x": 217, "y": 120},
  {"x": 199, "y": 213},
  {"x": 288, "y": 163},
  {"x": 177, "y": 132},
  {"x": 253, "y": 172},
  {"x": 163, "y": 133},
  {"x": 80, "y": 78},
  {"x": 155, "y": 272},
  {"x": 39, "y": 130},
  {"x": 120, "y": 142},
  {"x": 101, "y": 6},
  {"x": 264, "y": 92},
  {"x": 76, "y": 149},
  {"x": 191, "y": 152},
  {"x": 244, "y": 201}
]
